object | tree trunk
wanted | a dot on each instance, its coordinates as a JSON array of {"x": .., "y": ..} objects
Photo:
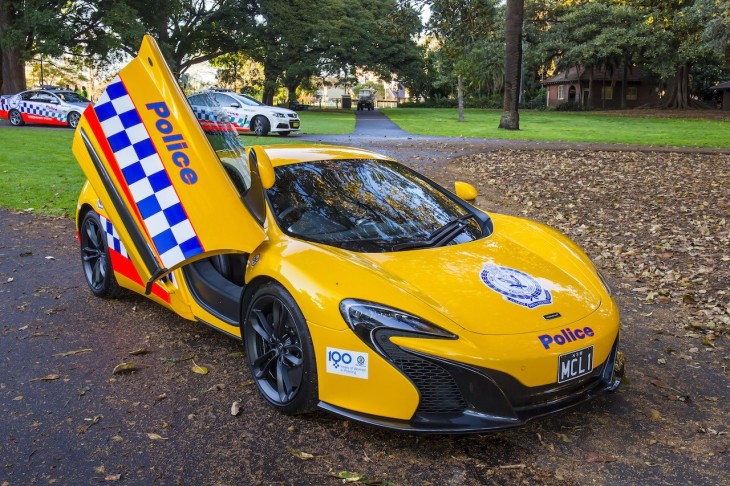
[
  {"x": 624, "y": 80},
  {"x": 460, "y": 96},
  {"x": 514, "y": 14},
  {"x": 590, "y": 88},
  {"x": 291, "y": 88},
  {"x": 270, "y": 85},
  {"x": 678, "y": 89},
  {"x": 12, "y": 63}
]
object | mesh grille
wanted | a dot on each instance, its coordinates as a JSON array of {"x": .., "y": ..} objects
[{"x": 439, "y": 392}]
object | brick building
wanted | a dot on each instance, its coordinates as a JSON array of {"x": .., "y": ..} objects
[{"x": 572, "y": 86}]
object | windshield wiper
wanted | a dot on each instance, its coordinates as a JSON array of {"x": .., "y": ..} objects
[{"x": 439, "y": 236}]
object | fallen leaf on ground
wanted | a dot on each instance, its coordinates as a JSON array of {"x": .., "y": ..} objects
[
  {"x": 126, "y": 367},
  {"x": 50, "y": 377},
  {"x": 594, "y": 457},
  {"x": 235, "y": 408},
  {"x": 137, "y": 352},
  {"x": 348, "y": 476},
  {"x": 71, "y": 353},
  {"x": 201, "y": 370},
  {"x": 154, "y": 436},
  {"x": 304, "y": 456},
  {"x": 216, "y": 387}
]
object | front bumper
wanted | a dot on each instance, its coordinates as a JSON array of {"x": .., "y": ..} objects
[{"x": 458, "y": 399}]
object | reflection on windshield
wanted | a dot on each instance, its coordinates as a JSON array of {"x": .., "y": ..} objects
[
  {"x": 247, "y": 100},
  {"x": 224, "y": 139},
  {"x": 363, "y": 205}
]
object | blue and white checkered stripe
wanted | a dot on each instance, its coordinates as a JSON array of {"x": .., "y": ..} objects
[
  {"x": 112, "y": 238},
  {"x": 32, "y": 109},
  {"x": 163, "y": 214},
  {"x": 203, "y": 114}
]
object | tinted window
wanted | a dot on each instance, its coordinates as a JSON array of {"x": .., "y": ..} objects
[
  {"x": 366, "y": 205},
  {"x": 71, "y": 97}
]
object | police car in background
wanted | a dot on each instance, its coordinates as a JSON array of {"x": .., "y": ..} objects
[
  {"x": 45, "y": 106},
  {"x": 245, "y": 113}
]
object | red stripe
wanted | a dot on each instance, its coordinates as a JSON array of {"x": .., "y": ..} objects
[{"x": 123, "y": 266}]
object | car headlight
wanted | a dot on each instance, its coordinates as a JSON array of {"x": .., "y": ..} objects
[
  {"x": 604, "y": 282},
  {"x": 279, "y": 115},
  {"x": 364, "y": 318}
]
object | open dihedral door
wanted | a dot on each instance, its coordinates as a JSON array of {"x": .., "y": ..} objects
[{"x": 163, "y": 187}]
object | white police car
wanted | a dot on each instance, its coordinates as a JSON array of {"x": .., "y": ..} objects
[
  {"x": 245, "y": 113},
  {"x": 49, "y": 107}
]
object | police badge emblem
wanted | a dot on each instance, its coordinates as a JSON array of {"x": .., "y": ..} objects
[{"x": 515, "y": 286}]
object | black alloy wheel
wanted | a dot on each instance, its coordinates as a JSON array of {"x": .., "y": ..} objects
[
  {"x": 73, "y": 119},
  {"x": 279, "y": 350},
  {"x": 95, "y": 258},
  {"x": 16, "y": 119},
  {"x": 260, "y": 126}
]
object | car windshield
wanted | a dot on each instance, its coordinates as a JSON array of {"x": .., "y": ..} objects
[
  {"x": 369, "y": 206},
  {"x": 71, "y": 97},
  {"x": 247, "y": 100}
]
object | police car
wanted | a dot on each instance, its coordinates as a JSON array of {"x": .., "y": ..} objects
[
  {"x": 245, "y": 113},
  {"x": 357, "y": 286},
  {"x": 48, "y": 107}
]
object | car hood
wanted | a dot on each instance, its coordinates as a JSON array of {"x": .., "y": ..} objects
[{"x": 522, "y": 278}]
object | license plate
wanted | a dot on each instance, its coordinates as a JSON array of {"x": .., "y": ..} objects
[
  {"x": 295, "y": 124},
  {"x": 575, "y": 364}
]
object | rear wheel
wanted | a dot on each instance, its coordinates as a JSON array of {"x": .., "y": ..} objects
[
  {"x": 73, "y": 119},
  {"x": 279, "y": 350},
  {"x": 95, "y": 258},
  {"x": 260, "y": 126},
  {"x": 15, "y": 118}
]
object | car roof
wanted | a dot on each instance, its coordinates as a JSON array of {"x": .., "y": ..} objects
[{"x": 295, "y": 154}]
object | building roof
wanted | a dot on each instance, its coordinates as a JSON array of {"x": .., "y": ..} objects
[
  {"x": 725, "y": 85},
  {"x": 574, "y": 74}
]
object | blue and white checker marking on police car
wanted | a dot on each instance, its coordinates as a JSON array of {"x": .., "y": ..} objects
[
  {"x": 203, "y": 114},
  {"x": 7, "y": 104},
  {"x": 159, "y": 205},
  {"x": 112, "y": 238}
]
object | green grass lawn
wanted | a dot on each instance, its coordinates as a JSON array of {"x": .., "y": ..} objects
[
  {"x": 565, "y": 127},
  {"x": 38, "y": 170}
]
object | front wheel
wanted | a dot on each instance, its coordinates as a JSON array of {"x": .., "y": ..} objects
[
  {"x": 279, "y": 350},
  {"x": 95, "y": 258},
  {"x": 73, "y": 119},
  {"x": 260, "y": 126},
  {"x": 16, "y": 119}
]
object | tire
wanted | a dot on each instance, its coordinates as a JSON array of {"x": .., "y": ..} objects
[
  {"x": 260, "y": 126},
  {"x": 73, "y": 119},
  {"x": 279, "y": 350},
  {"x": 284, "y": 134},
  {"x": 15, "y": 118},
  {"x": 95, "y": 258}
]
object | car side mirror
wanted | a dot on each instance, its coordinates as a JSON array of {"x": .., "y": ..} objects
[
  {"x": 265, "y": 169},
  {"x": 54, "y": 102},
  {"x": 465, "y": 191},
  {"x": 235, "y": 105}
]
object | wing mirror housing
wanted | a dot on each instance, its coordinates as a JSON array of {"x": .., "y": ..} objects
[
  {"x": 265, "y": 168},
  {"x": 235, "y": 105},
  {"x": 465, "y": 191}
]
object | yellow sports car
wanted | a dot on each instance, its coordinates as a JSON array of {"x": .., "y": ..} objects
[{"x": 356, "y": 285}]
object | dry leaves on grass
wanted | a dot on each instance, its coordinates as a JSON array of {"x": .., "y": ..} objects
[{"x": 657, "y": 220}]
